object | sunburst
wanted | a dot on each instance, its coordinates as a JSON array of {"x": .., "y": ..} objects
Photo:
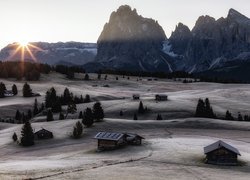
[{"x": 23, "y": 47}]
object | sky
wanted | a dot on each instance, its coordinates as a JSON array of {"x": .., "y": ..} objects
[{"x": 83, "y": 20}]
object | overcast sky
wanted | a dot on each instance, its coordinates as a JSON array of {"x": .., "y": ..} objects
[{"x": 83, "y": 20}]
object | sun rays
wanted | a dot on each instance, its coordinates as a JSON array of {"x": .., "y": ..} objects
[{"x": 24, "y": 49}]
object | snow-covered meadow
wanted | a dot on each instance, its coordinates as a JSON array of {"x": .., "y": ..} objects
[{"x": 172, "y": 149}]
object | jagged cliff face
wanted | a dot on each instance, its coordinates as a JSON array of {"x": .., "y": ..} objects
[
  {"x": 212, "y": 42},
  {"x": 130, "y": 42}
]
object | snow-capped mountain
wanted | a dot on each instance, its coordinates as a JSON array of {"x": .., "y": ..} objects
[{"x": 70, "y": 53}]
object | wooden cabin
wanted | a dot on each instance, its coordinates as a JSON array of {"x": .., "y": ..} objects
[
  {"x": 110, "y": 140},
  {"x": 221, "y": 153},
  {"x": 136, "y": 96},
  {"x": 161, "y": 97},
  {"x": 43, "y": 134},
  {"x": 8, "y": 93},
  {"x": 134, "y": 139}
]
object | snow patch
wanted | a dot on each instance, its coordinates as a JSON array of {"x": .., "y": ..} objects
[{"x": 167, "y": 49}]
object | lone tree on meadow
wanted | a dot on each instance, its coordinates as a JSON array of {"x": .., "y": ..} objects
[
  {"x": 14, "y": 89},
  {"x": 98, "y": 112},
  {"x": 88, "y": 118},
  {"x": 77, "y": 131},
  {"x": 27, "y": 91},
  {"x": 14, "y": 137},
  {"x": 141, "y": 109},
  {"x": 50, "y": 115},
  {"x": 27, "y": 135}
]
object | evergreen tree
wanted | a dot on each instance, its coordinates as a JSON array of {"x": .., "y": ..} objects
[
  {"x": 2, "y": 89},
  {"x": 14, "y": 89},
  {"x": 208, "y": 109},
  {"x": 35, "y": 108},
  {"x": 50, "y": 115},
  {"x": 86, "y": 77},
  {"x": 14, "y": 137},
  {"x": 240, "y": 118},
  {"x": 159, "y": 117},
  {"x": 121, "y": 113},
  {"x": 246, "y": 118},
  {"x": 141, "y": 109},
  {"x": 200, "y": 109},
  {"x": 18, "y": 115},
  {"x": 61, "y": 116},
  {"x": 24, "y": 118},
  {"x": 50, "y": 97},
  {"x": 56, "y": 106},
  {"x": 229, "y": 116},
  {"x": 27, "y": 135},
  {"x": 87, "y": 99},
  {"x": 77, "y": 131},
  {"x": 98, "y": 112},
  {"x": 106, "y": 76},
  {"x": 80, "y": 115},
  {"x": 81, "y": 99},
  {"x": 71, "y": 109},
  {"x": 135, "y": 117},
  {"x": 99, "y": 76},
  {"x": 29, "y": 114},
  {"x": 66, "y": 96},
  {"x": 88, "y": 119},
  {"x": 27, "y": 91},
  {"x": 42, "y": 107}
]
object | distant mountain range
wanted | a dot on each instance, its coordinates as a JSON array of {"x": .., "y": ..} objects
[
  {"x": 134, "y": 43},
  {"x": 70, "y": 53}
]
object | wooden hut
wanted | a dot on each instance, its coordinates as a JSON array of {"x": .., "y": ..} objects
[
  {"x": 110, "y": 140},
  {"x": 43, "y": 134},
  {"x": 161, "y": 97},
  {"x": 136, "y": 96},
  {"x": 221, "y": 153},
  {"x": 134, "y": 139}
]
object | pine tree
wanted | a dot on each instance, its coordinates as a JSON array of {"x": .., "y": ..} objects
[
  {"x": 24, "y": 118},
  {"x": 200, "y": 109},
  {"x": 121, "y": 113},
  {"x": 71, "y": 109},
  {"x": 35, "y": 108},
  {"x": 42, "y": 107},
  {"x": 66, "y": 96},
  {"x": 240, "y": 118},
  {"x": 98, "y": 112},
  {"x": 18, "y": 115},
  {"x": 27, "y": 135},
  {"x": 87, "y": 99},
  {"x": 29, "y": 114},
  {"x": 50, "y": 97},
  {"x": 228, "y": 116},
  {"x": 27, "y": 91},
  {"x": 2, "y": 89},
  {"x": 50, "y": 115},
  {"x": 61, "y": 116},
  {"x": 88, "y": 119},
  {"x": 159, "y": 117},
  {"x": 141, "y": 109},
  {"x": 14, "y": 89},
  {"x": 80, "y": 115},
  {"x": 208, "y": 109},
  {"x": 14, "y": 137},
  {"x": 86, "y": 77},
  {"x": 135, "y": 117},
  {"x": 99, "y": 76},
  {"x": 77, "y": 131}
]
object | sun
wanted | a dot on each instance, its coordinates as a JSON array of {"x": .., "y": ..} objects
[{"x": 23, "y": 43}]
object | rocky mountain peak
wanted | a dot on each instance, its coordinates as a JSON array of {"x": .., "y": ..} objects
[{"x": 235, "y": 15}]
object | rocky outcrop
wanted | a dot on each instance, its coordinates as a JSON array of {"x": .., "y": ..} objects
[
  {"x": 212, "y": 42},
  {"x": 131, "y": 42}
]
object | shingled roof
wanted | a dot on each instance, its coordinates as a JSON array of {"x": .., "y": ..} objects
[
  {"x": 218, "y": 145},
  {"x": 109, "y": 136}
]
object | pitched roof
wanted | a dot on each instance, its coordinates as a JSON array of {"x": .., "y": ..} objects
[
  {"x": 134, "y": 135},
  {"x": 42, "y": 130},
  {"x": 218, "y": 145},
  {"x": 109, "y": 136}
]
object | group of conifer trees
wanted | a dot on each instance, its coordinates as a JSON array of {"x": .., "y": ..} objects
[
  {"x": 3, "y": 89},
  {"x": 204, "y": 109}
]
